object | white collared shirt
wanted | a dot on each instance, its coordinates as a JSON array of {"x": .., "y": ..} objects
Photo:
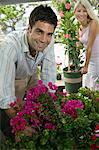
[{"x": 17, "y": 63}]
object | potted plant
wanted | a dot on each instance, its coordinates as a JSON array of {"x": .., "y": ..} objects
[
  {"x": 56, "y": 121},
  {"x": 68, "y": 35}
]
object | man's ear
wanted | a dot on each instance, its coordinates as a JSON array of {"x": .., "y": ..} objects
[{"x": 29, "y": 28}]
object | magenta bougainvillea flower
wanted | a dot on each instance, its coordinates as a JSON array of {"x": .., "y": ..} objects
[
  {"x": 36, "y": 112},
  {"x": 70, "y": 107}
]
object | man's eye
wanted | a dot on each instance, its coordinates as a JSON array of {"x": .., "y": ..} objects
[
  {"x": 38, "y": 32},
  {"x": 50, "y": 34}
]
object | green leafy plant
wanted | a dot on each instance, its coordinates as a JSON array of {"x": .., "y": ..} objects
[
  {"x": 56, "y": 121},
  {"x": 67, "y": 32},
  {"x": 10, "y": 15}
]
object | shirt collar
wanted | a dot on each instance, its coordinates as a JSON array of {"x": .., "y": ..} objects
[{"x": 25, "y": 43}]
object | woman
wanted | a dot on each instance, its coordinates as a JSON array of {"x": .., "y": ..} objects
[{"x": 89, "y": 27}]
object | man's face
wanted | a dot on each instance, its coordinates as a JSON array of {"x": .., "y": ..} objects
[{"x": 40, "y": 35}]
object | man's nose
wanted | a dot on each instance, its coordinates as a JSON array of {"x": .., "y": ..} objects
[{"x": 43, "y": 38}]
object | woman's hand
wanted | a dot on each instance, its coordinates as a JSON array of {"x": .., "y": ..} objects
[{"x": 84, "y": 70}]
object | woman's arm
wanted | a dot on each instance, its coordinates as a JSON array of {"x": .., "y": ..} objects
[{"x": 92, "y": 35}]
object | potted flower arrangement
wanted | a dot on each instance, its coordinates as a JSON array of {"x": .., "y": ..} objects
[
  {"x": 56, "y": 121},
  {"x": 68, "y": 35}
]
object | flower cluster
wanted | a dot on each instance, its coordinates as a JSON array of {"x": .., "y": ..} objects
[
  {"x": 56, "y": 120},
  {"x": 70, "y": 107},
  {"x": 34, "y": 109},
  {"x": 95, "y": 139}
]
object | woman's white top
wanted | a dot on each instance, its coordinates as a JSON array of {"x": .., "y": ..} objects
[{"x": 91, "y": 79}]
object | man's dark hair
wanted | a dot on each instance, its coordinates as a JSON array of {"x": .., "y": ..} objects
[{"x": 43, "y": 13}]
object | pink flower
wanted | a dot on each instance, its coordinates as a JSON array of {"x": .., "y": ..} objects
[
  {"x": 97, "y": 135},
  {"x": 12, "y": 104},
  {"x": 69, "y": 108},
  {"x": 94, "y": 147},
  {"x": 35, "y": 122},
  {"x": 97, "y": 131},
  {"x": 93, "y": 137},
  {"x": 40, "y": 81},
  {"x": 61, "y": 13},
  {"x": 77, "y": 44},
  {"x": 54, "y": 97},
  {"x": 18, "y": 100},
  {"x": 20, "y": 114},
  {"x": 97, "y": 127},
  {"x": 18, "y": 124},
  {"x": 97, "y": 147},
  {"x": 68, "y": 6},
  {"x": 52, "y": 86},
  {"x": 58, "y": 23},
  {"x": 67, "y": 36},
  {"x": 50, "y": 126}
]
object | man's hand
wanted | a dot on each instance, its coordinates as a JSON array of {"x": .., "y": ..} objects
[
  {"x": 15, "y": 107},
  {"x": 27, "y": 132},
  {"x": 11, "y": 112}
]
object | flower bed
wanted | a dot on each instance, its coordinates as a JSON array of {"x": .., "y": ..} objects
[{"x": 56, "y": 121}]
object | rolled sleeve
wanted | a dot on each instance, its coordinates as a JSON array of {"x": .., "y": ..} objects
[{"x": 5, "y": 103}]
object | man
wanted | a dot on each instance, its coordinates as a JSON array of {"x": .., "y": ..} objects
[{"x": 21, "y": 53}]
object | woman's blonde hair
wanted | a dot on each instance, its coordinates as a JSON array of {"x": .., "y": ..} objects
[{"x": 89, "y": 9}]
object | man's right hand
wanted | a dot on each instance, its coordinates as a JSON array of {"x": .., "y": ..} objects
[{"x": 10, "y": 112}]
